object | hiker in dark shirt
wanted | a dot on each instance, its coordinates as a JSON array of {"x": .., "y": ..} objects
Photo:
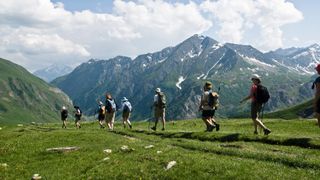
[
  {"x": 77, "y": 115},
  {"x": 64, "y": 116},
  {"x": 316, "y": 101}
]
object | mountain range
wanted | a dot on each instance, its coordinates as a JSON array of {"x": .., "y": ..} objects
[
  {"x": 181, "y": 71},
  {"x": 25, "y": 98},
  {"x": 52, "y": 72}
]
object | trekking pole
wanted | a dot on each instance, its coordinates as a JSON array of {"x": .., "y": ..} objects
[{"x": 150, "y": 118}]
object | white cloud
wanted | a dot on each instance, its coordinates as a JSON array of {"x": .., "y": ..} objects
[
  {"x": 42, "y": 32},
  {"x": 36, "y": 33},
  {"x": 237, "y": 18}
]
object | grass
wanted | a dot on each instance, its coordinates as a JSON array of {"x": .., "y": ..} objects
[{"x": 291, "y": 151}]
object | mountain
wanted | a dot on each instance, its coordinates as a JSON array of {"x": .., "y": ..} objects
[
  {"x": 181, "y": 72},
  {"x": 26, "y": 98},
  {"x": 303, "y": 110},
  {"x": 299, "y": 60},
  {"x": 52, "y": 72}
]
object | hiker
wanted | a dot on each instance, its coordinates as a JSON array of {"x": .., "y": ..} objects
[
  {"x": 64, "y": 116},
  {"x": 101, "y": 114},
  {"x": 316, "y": 102},
  {"x": 126, "y": 111},
  {"x": 111, "y": 108},
  {"x": 159, "y": 104},
  {"x": 77, "y": 115},
  {"x": 208, "y": 108},
  {"x": 256, "y": 106}
]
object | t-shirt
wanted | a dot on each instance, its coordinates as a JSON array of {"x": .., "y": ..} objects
[{"x": 253, "y": 91}]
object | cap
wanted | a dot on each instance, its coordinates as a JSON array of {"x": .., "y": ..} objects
[
  {"x": 158, "y": 90},
  {"x": 63, "y": 107},
  {"x": 124, "y": 99},
  {"x": 256, "y": 76}
]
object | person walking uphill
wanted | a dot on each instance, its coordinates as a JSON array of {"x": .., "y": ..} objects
[
  {"x": 126, "y": 112},
  {"x": 77, "y": 115},
  {"x": 208, "y": 105},
  {"x": 64, "y": 116},
  {"x": 256, "y": 104},
  {"x": 111, "y": 108},
  {"x": 159, "y": 104},
  {"x": 316, "y": 101}
]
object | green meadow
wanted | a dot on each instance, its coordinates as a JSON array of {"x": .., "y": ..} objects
[{"x": 291, "y": 151}]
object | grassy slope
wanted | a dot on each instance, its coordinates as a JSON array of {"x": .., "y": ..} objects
[
  {"x": 290, "y": 152},
  {"x": 294, "y": 112},
  {"x": 26, "y": 98}
]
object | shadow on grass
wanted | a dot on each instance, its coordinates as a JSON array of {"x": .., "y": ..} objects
[{"x": 299, "y": 142}]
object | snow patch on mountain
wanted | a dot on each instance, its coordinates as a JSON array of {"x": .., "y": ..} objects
[
  {"x": 199, "y": 77},
  {"x": 205, "y": 77},
  {"x": 216, "y": 46},
  {"x": 255, "y": 61},
  {"x": 180, "y": 80}
]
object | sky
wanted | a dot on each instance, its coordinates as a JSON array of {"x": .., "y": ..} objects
[{"x": 39, "y": 33}]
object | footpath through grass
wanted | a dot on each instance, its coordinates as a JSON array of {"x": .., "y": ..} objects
[{"x": 291, "y": 151}]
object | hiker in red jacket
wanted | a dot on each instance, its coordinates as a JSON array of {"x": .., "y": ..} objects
[{"x": 255, "y": 105}]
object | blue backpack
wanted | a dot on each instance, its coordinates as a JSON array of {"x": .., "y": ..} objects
[{"x": 111, "y": 105}]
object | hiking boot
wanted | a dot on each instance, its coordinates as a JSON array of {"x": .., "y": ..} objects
[
  {"x": 154, "y": 128},
  {"x": 210, "y": 129},
  {"x": 255, "y": 132},
  {"x": 266, "y": 131},
  {"x": 217, "y": 127}
]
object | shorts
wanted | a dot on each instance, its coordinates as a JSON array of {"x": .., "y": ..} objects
[
  {"x": 77, "y": 118},
  {"x": 159, "y": 112},
  {"x": 208, "y": 113},
  {"x": 318, "y": 107},
  {"x": 126, "y": 115},
  {"x": 110, "y": 117},
  {"x": 101, "y": 117},
  {"x": 255, "y": 109}
]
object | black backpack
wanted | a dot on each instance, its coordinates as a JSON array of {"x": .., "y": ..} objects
[
  {"x": 262, "y": 95},
  {"x": 213, "y": 100}
]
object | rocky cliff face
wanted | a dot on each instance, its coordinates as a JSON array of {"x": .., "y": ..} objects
[{"x": 180, "y": 72}]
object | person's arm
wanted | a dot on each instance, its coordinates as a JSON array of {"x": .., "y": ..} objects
[
  {"x": 201, "y": 103},
  {"x": 245, "y": 99},
  {"x": 317, "y": 96}
]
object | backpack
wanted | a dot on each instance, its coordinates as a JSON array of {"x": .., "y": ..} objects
[
  {"x": 213, "y": 100},
  {"x": 161, "y": 100},
  {"x": 79, "y": 113},
  {"x": 127, "y": 107},
  {"x": 111, "y": 105},
  {"x": 262, "y": 96}
]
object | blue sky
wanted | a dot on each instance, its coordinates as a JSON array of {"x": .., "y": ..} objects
[{"x": 36, "y": 34}]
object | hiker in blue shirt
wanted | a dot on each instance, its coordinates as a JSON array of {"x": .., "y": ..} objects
[{"x": 126, "y": 112}]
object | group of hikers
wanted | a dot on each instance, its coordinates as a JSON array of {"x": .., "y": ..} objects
[{"x": 208, "y": 105}]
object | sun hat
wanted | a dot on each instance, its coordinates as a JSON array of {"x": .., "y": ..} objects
[
  {"x": 158, "y": 90},
  {"x": 256, "y": 77},
  {"x": 124, "y": 99}
]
